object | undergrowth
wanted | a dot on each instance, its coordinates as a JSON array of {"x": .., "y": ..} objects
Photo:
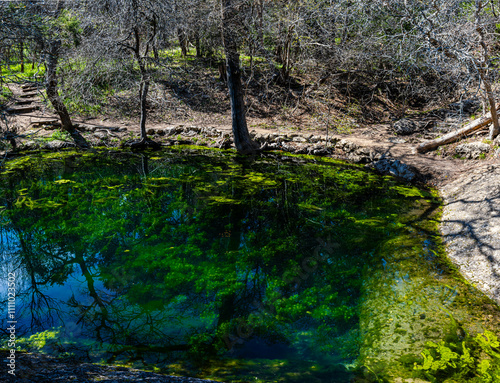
[{"x": 12, "y": 73}]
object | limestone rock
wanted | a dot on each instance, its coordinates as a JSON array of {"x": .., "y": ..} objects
[
  {"x": 190, "y": 133},
  {"x": 395, "y": 168},
  {"x": 361, "y": 155},
  {"x": 172, "y": 131},
  {"x": 299, "y": 139},
  {"x": 405, "y": 127},
  {"x": 472, "y": 150},
  {"x": 102, "y": 134},
  {"x": 57, "y": 144},
  {"x": 347, "y": 146}
]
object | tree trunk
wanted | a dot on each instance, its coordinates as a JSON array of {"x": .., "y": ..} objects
[
  {"x": 183, "y": 41},
  {"x": 52, "y": 94},
  {"x": 483, "y": 66},
  {"x": 21, "y": 55},
  {"x": 454, "y": 136},
  {"x": 144, "y": 86},
  {"x": 260, "y": 32},
  {"x": 143, "y": 93},
  {"x": 495, "y": 127},
  {"x": 155, "y": 54},
  {"x": 197, "y": 43},
  {"x": 222, "y": 72},
  {"x": 241, "y": 137}
]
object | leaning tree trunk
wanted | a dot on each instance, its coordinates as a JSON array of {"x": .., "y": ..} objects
[
  {"x": 495, "y": 127},
  {"x": 241, "y": 137},
  {"x": 483, "y": 68},
  {"x": 52, "y": 94}
]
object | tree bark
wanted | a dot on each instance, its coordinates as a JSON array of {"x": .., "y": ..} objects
[
  {"x": 241, "y": 137},
  {"x": 52, "y": 94},
  {"x": 144, "y": 87},
  {"x": 260, "y": 32},
  {"x": 183, "y": 41},
  {"x": 21, "y": 55},
  {"x": 495, "y": 127},
  {"x": 197, "y": 43},
  {"x": 483, "y": 66},
  {"x": 455, "y": 136}
]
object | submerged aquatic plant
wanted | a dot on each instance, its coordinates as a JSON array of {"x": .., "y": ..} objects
[{"x": 184, "y": 255}]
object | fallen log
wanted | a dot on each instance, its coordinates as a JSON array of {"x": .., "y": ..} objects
[{"x": 456, "y": 135}]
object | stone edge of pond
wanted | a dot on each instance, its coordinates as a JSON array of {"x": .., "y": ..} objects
[{"x": 341, "y": 149}]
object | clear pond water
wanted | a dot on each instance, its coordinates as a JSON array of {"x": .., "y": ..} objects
[{"x": 201, "y": 262}]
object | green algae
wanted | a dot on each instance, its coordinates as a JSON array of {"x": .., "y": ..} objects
[{"x": 318, "y": 260}]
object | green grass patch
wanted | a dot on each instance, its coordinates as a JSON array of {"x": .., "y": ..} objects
[
  {"x": 5, "y": 94},
  {"x": 13, "y": 72}
]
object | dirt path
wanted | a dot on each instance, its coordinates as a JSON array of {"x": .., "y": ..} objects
[{"x": 471, "y": 226}]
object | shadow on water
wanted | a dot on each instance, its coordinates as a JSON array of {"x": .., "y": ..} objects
[{"x": 278, "y": 268}]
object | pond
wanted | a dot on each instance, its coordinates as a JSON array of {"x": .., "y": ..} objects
[{"x": 191, "y": 261}]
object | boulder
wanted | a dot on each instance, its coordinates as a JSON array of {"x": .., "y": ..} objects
[
  {"x": 57, "y": 144},
  {"x": 405, "y": 127},
  {"x": 299, "y": 139},
  {"x": 395, "y": 168},
  {"x": 347, "y": 146},
  {"x": 190, "y": 133},
  {"x": 472, "y": 150},
  {"x": 361, "y": 155},
  {"x": 466, "y": 106},
  {"x": 102, "y": 134},
  {"x": 172, "y": 131},
  {"x": 193, "y": 128}
]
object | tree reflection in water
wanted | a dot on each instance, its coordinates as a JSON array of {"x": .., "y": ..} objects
[{"x": 196, "y": 253}]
